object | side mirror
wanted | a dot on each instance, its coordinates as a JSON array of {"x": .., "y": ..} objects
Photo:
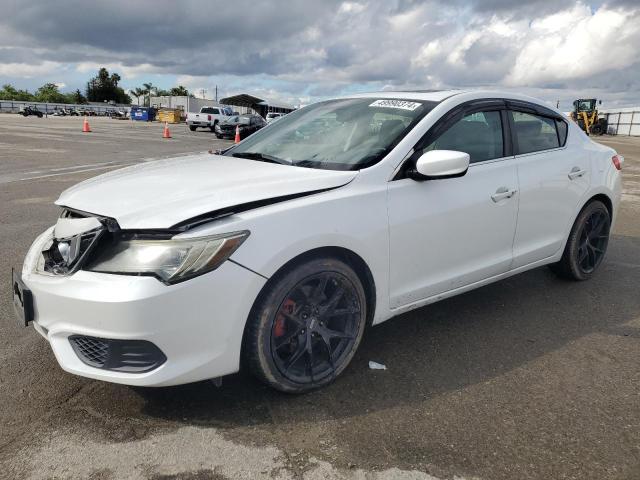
[{"x": 442, "y": 164}]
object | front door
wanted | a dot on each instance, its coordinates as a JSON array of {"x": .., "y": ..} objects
[{"x": 449, "y": 233}]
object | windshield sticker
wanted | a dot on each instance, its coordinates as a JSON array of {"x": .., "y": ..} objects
[{"x": 402, "y": 104}]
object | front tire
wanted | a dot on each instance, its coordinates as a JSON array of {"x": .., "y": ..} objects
[
  {"x": 306, "y": 326},
  {"x": 586, "y": 245}
]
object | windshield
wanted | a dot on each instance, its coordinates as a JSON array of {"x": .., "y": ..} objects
[{"x": 347, "y": 134}]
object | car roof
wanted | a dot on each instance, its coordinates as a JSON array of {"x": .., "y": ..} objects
[
  {"x": 441, "y": 95},
  {"x": 430, "y": 95}
]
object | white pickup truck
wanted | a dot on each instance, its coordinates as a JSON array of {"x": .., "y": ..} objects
[{"x": 207, "y": 117}]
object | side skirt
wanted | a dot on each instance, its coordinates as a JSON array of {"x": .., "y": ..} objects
[{"x": 451, "y": 293}]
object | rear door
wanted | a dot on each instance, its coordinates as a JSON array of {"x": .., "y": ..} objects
[
  {"x": 449, "y": 233},
  {"x": 552, "y": 178}
]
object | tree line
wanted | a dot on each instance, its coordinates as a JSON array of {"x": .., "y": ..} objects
[
  {"x": 148, "y": 89},
  {"x": 101, "y": 88},
  {"x": 48, "y": 93}
]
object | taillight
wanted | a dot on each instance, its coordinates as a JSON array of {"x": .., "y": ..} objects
[
  {"x": 209, "y": 117},
  {"x": 616, "y": 162}
]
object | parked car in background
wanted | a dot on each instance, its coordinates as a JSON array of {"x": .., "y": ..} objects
[
  {"x": 31, "y": 110},
  {"x": 247, "y": 124},
  {"x": 115, "y": 113},
  {"x": 271, "y": 116},
  {"x": 277, "y": 254},
  {"x": 208, "y": 117}
]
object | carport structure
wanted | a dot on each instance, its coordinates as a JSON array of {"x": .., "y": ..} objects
[{"x": 259, "y": 105}]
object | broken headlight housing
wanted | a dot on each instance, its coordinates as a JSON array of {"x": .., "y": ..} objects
[
  {"x": 170, "y": 260},
  {"x": 64, "y": 256}
]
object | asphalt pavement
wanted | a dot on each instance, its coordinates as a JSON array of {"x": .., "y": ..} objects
[{"x": 529, "y": 378}]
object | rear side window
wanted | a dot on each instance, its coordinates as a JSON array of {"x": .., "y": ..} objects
[
  {"x": 562, "y": 127},
  {"x": 478, "y": 134},
  {"x": 534, "y": 133}
]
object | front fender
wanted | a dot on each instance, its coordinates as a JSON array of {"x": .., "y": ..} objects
[{"x": 351, "y": 217}]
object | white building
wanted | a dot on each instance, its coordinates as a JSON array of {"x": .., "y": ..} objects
[{"x": 186, "y": 104}]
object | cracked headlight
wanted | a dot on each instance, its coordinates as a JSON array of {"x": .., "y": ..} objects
[{"x": 171, "y": 260}]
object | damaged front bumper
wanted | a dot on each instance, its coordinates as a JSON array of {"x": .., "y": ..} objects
[{"x": 196, "y": 325}]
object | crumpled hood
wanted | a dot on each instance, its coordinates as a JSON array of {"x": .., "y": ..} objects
[{"x": 162, "y": 193}]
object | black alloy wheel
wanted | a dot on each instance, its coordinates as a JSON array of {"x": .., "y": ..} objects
[
  {"x": 315, "y": 326},
  {"x": 306, "y": 329},
  {"x": 587, "y": 243},
  {"x": 592, "y": 244}
]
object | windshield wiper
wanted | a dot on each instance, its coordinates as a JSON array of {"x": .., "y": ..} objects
[
  {"x": 308, "y": 163},
  {"x": 260, "y": 156}
]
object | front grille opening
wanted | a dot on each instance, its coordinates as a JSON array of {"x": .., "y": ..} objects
[{"x": 130, "y": 356}]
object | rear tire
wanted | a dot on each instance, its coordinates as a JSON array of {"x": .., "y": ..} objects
[
  {"x": 586, "y": 245},
  {"x": 192, "y": 128},
  {"x": 306, "y": 325}
]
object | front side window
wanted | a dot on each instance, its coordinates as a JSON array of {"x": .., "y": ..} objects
[
  {"x": 478, "y": 134},
  {"x": 346, "y": 134},
  {"x": 534, "y": 133}
]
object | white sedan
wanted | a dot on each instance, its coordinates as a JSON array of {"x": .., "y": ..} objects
[{"x": 280, "y": 251}]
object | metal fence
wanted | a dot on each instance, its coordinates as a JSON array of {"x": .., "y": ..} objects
[
  {"x": 625, "y": 121},
  {"x": 15, "y": 106}
]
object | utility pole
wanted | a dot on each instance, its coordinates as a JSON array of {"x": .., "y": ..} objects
[
  {"x": 202, "y": 92},
  {"x": 216, "y": 93}
]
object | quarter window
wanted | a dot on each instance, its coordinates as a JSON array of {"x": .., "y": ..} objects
[
  {"x": 478, "y": 134},
  {"x": 562, "y": 127},
  {"x": 534, "y": 133}
]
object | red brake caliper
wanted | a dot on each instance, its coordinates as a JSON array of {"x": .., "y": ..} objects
[{"x": 280, "y": 325}]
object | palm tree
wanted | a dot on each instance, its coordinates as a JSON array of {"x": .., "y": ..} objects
[
  {"x": 149, "y": 87},
  {"x": 179, "y": 91},
  {"x": 138, "y": 92}
]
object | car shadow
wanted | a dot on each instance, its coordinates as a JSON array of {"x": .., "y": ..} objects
[{"x": 444, "y": 347}]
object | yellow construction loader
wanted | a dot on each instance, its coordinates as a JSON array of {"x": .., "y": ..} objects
[{"x": 585, "y": 114}]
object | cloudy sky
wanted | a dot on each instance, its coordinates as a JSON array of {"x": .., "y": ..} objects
[{"x": 299, "y": 51}]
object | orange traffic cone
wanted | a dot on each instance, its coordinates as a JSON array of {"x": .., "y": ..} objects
[
  {"x": 237, "y": 139},
  {"x": 85, "y": 125},
  {"x": 166, "y": 133}
]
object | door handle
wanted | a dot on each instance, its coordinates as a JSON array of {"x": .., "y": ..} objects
[
  {"x": 576, "y": 172},
  {"x": 502, "y": 193}
]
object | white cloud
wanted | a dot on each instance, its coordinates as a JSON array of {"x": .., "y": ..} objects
[
  {"x": 576, "y": 44},
  {"x": 28, "y": 70},
  {"x": 316, "y": 49},
  {"x": 351, "y": 7}
]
